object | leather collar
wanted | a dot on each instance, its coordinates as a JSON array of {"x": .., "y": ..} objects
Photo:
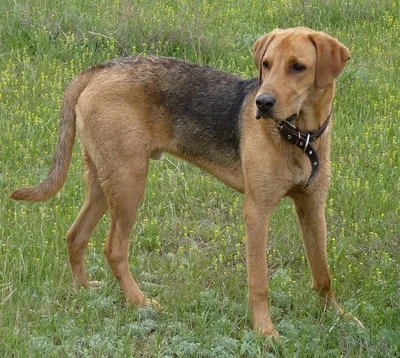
[{"x": 303, "y": 141}]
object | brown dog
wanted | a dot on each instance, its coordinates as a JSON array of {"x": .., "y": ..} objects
[{"x": 133, "y": 109}]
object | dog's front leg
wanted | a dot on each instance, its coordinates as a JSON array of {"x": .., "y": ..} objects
[{"x": 257, "y": 215}]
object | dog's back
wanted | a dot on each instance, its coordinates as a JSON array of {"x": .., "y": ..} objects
[{"x": 203, "y": 104}]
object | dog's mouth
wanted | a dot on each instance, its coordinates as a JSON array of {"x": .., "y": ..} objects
[{"x": 259, "y": 115}]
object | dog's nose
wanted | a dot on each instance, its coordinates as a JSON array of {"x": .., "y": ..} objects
[{"x": 265, "y": 102}]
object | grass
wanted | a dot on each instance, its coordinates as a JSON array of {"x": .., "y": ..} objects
[{"x": 187, "y": 249}]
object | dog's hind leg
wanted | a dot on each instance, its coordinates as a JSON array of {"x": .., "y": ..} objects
[
  {"x": 79, "y": 234},
  {"x": 124, "y": 188}
]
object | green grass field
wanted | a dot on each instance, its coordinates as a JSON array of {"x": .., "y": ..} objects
[{"x": 187, "y": 249}]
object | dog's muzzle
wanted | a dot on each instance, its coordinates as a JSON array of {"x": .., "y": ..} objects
[{"x": 265, "y": 103}]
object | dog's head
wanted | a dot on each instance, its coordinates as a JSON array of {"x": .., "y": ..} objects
[{"x": 295, "y": 65}]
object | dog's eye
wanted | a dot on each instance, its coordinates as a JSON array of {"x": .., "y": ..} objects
[
  {"x": 298, "y": 67},
  {"x": 265, "y": 64}
]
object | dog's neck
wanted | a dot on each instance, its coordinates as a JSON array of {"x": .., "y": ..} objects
[{"x": 315, "y": 124}]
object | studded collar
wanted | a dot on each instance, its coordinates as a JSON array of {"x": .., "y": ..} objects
[{"x": 303, "y": 140}]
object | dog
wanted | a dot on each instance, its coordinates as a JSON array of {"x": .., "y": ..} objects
[{"x": 267, "y": 138}]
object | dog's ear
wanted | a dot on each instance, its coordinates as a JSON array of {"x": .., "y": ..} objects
[
  {"x": 331, "y": 58},
  {"x": 259, "y": 49}
]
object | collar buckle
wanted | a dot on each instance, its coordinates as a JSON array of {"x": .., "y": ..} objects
[{"x": 307, "y": 142}]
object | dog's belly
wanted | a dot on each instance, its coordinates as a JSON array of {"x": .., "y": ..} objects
[{"x": 230, "y": 174}]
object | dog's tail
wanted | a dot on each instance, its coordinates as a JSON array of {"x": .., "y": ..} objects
[{"x": 66, "y": 137}]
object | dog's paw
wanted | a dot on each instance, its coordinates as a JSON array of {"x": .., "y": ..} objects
[
  {"x": 272, "y": 333},
  {"x": 151, "y": 303}
]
